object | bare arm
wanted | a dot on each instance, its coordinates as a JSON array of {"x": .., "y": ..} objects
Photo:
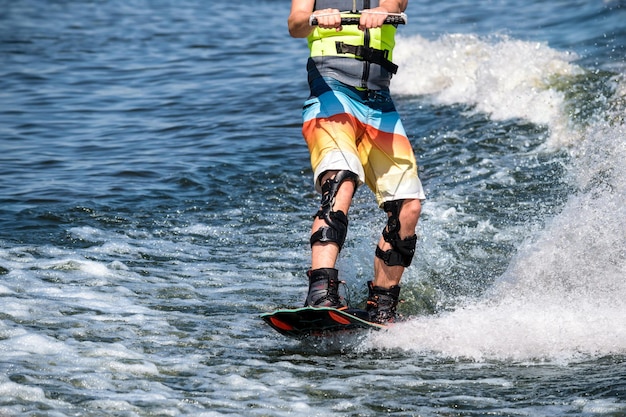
[{"x": 298, "y": 21}]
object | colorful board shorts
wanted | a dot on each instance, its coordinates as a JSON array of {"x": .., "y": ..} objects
[{"x": 349, "y": 129}]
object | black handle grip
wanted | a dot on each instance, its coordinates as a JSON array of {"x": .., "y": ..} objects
[{"x": 390, "y": 20}]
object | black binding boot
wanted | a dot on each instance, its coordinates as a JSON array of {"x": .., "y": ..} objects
[
  {"x": 382, "y": 303},
  {"x": 324, "y": 289}
]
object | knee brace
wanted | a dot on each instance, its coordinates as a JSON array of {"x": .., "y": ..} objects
[
  {"x": 337, "y": 221},
  {"x": 402, "y": 250}
]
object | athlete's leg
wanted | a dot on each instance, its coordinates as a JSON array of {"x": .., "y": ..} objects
[
  {"x": 394, "y": 253},
  {"x": 391, "y": 172},
  {"x": 388, "y": 274},
  {"x": 330, "y": 131},
  {"x": 324, "y": 252},
  {"x": 328, "y": 234}
]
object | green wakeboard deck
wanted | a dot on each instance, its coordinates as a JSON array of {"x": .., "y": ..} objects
[{"x": 309, "y": 321}]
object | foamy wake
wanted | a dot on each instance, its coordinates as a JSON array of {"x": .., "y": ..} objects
[
  {"x": 562, "y": 298},
  {"x": 502, "y": 77},
  {"x": 563, "y": 295}
]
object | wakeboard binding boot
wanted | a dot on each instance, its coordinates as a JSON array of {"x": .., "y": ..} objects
[
  {"x": 324, "y": 289},
  {"x": 382, "y": 304}
]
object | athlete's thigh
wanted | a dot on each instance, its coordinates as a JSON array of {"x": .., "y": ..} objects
[
  {"x": 331, "y": 130},
  {"x": 389, "y": 161}
]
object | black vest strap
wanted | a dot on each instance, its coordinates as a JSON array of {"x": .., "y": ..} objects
[{"x": 375, "y": 56}]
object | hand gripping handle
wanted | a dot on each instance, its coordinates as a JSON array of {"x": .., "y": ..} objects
[{"x": 392, "y": 19}]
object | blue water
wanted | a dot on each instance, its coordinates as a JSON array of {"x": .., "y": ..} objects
[{"x": 156, "y": 198}]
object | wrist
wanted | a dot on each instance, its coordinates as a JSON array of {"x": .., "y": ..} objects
[{"x": 392, "y": 6}]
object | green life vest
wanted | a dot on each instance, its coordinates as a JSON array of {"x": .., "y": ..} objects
[{"x": 369, "y": 45}]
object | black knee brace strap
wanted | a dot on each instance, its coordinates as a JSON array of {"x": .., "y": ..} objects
[
  {"x": 402, "y": 250},
  {"x": 337, "y": 221}
]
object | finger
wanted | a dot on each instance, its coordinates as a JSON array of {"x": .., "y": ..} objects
[
  {"x": 372, "y": 20},
  {"x": 328, "y": 18}
]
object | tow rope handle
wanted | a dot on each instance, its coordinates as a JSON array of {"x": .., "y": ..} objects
[{"x": 392, "y": 19}]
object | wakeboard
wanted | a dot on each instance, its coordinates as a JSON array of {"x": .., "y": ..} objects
[{"x": 308, "y": 321}]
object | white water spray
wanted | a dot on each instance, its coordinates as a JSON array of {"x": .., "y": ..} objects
[{"x": 563, "y": 295}]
